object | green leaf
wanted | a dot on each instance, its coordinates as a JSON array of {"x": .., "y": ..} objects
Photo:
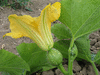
[
  {"x": 62, "y": 46},
  {"x": 93, "y": 57},
  {"x": 98, "y": 62},
  {"x": 80, "y": 16},
  {"x": 47, "y": 67},
  {"x": 97, "y": 58},
  {"x": 83, "y": 46},
  {"x": 28, "y": 9},
  {"x": 34, "y": 56},
  {"x": 12, "y": 64},
  {"x": 61, "y": 31},
  {"x": 5, "y": 73}
]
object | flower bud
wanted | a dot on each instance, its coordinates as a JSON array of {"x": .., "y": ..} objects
[{"x": 54, "y": 57}]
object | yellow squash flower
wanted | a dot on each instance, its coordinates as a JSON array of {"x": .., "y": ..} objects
[{"x": 36, "y": 28}]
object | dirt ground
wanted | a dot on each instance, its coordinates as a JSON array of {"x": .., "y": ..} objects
[{"x": 79, "y": 68}]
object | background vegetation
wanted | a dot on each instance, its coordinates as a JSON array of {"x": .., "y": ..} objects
[{"x": 16, "y": 4}]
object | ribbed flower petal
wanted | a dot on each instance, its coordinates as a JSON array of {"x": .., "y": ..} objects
[
  {"x": 49, "y": 14},
  {"x": 21, "y": 26},
  {"x": 37, "y": 28}
]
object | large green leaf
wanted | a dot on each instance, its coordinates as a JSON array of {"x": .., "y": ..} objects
[
  {"x": 34, "y": 56},
  {"x": 81, "y": 16},
  {"x": 61, "y": 31},
  {"x": 12, "y": 64}
]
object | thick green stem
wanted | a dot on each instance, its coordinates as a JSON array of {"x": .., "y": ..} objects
[
  {"x": 95, "y": 69},
  {"x": 70, "y": 61},
  {"x": 70, "y": 67},
  {"x": 62, "y": 69}
]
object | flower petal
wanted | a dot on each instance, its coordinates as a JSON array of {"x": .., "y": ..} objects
[
  {"x": 14, "y": 35},
  {"x": 38, "y": 28},
  {"x": 22, "y": 26},
  {"x": 52, "y": 11},
  {"x": 49, "y": 14}
]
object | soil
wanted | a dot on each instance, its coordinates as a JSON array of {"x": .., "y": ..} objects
[{"x": 79, "y": 67}]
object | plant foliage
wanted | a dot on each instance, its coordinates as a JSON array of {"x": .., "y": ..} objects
[{"x": 16, "y": 4}]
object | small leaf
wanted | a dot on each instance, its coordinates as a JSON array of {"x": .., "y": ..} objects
[
  {"x": 83, "y": 46},
  {"x": 97, "y": 58},
  {"x": 62, "y": 46},
  {"x": 61, "y": 31},
  {"x": 12, "y": 64},
  {"x": 47, "y": 67},
  {"x": 98, "y": 62},
  {"x": 28, "y": 9}
]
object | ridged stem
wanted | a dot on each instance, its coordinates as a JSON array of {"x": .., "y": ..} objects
[{"x": 62, "y": 69}]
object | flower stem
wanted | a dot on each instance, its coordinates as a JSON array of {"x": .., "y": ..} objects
[
  {"x": 95, "y": 69},
  {"x": 62, "y": 69}
]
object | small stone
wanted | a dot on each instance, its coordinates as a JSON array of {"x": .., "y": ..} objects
[
  {"x": 94, "y": 51},
  {"x": 90, "y": 39},
  {"x": 98, "y": 48},
  {"x": 93, "y": 41},
  {"x": 83, "y": 72},
  {"x": 93, "y": 35},
  {"x": 61, "y": 74},
  {"x": 22, "y": 13},
  {"x": 1, "y": 7},
  {"x": 50, "y": 72},
  {"x": 57, "y": 71},
  {"x": 38, "y": 73},
  {"x": 90, "y": 70},
  {"x": 76, "y": 66},
  {"x": 98, "y": 38},
  {"x": 93, "y": 48},
  {"x": 65, "y": 67},
  {"x": 99, "y": 72},
  {"x": 78, "y": 73},
  {"x": 97, "y": 44}
]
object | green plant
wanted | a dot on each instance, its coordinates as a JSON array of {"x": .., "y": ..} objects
[
  {"x": 16, "y": 4},
  {"x": 81, "y": 17},
  {"x": 3, "y": 2}
]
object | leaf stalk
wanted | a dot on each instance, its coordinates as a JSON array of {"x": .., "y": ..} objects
[
  {"x": 62, "y": 69},
  {"x": 70, "y": 61}
]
